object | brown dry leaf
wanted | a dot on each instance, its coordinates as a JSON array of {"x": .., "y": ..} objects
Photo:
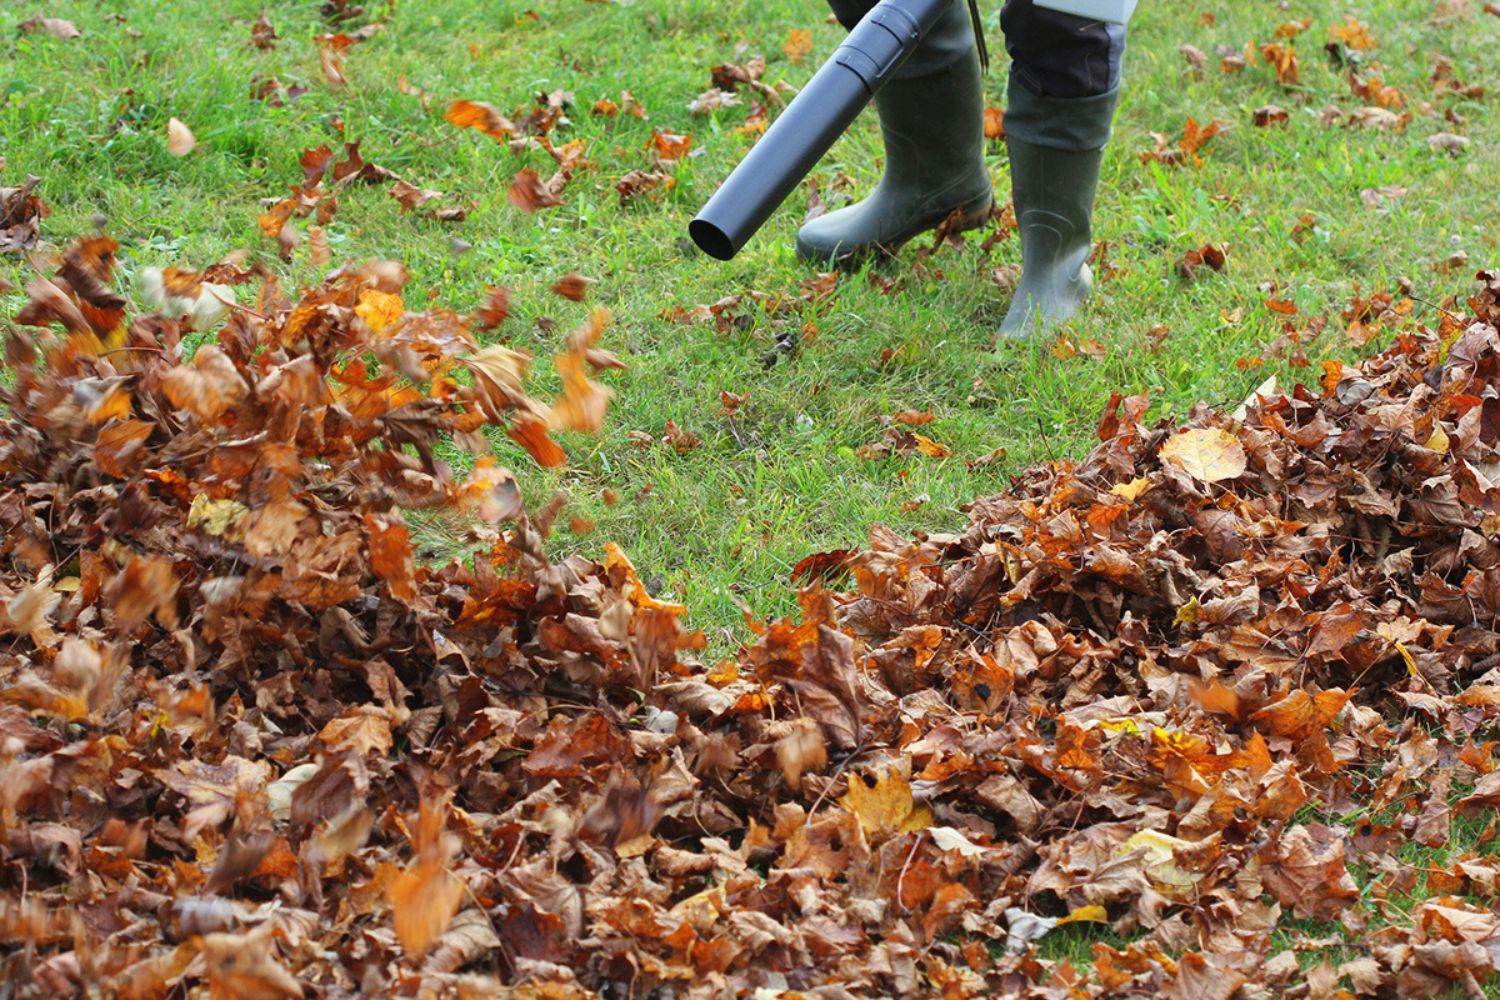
[
  {"x": 331, "y": 59},
  {"x": 1195, "y": 57},
  {"x": 1208, "y": 454},
  {"x": 359, "y": 731},
  {"x": 1353, "y": 34},
  {"x": 1210, "y": 256},
  {"x": 931, "y": 448},
  {"x": 1283, "y": 60},
  {"x": 1447, "y": 142},
  {"x": 54, "y": 26},
  {"x": 1268, "y": 115},
  {"x": 242, "y": 967},
  {"x": 643, "y": 182},
  {"x": 496, "y": 308},
  {"x": 1378, "y": 198},
  {"x": 583, "y": 402},
  {"x": 262, "y": 33},
  {"x": 572, "y": 286},
  {"x": 667, "y": 148},
  {"x": 801, "y": 751},
  {"x": 529, "y": 192}
]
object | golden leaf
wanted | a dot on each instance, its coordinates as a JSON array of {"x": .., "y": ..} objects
[
  {"x": 1093, "y": 913},
  {"x": 379, "y": 309},
  {"x": 1208, "y": 454},
  {"x": 1132, "y": 490},
  {"x": 885, "y": 808}
]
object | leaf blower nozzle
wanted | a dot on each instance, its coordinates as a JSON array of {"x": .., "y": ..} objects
[{"x": 817, "y": 116}]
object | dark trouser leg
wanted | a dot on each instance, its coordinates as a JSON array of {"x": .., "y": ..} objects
[
  {"x": 1064, "y": 83},
  {"x": 932, "y": 122}
]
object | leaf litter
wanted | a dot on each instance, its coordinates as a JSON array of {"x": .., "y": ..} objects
[
  {"x": 251, "y": 741},
  {"x": 266, "y": 748}
]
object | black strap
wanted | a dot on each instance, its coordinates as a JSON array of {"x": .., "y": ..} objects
[{"x": 984, "y": 52}]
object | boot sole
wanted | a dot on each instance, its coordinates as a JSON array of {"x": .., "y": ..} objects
[{"x": 856, "y": 257}]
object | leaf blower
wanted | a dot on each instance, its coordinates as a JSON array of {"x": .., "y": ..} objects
[{"x": 817, "y": 116}]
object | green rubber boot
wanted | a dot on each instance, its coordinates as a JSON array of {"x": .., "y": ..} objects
[
  {"x": 1054, "y": 200},
  {"x": 932, "y": 120}
]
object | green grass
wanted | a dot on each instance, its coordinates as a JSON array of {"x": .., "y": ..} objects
[{"x": 722, "y": 524}]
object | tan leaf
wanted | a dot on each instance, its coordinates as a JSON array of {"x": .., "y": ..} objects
[
  {"x": 180, "y": 141},
  {"x": 360, "y": 730},
  {"x": 54, "y": 26},
  {"x": 1208, "y": 454}
]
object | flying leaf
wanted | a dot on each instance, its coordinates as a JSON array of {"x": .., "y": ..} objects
[{"x": 180, "y": 141}]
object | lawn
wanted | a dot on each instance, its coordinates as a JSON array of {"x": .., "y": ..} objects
[
  {"x": 783, "y": 475},
  {"x": 734, "y": 448}
]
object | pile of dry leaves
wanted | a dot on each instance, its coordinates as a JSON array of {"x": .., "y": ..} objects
[{"x": 250, "y": 742}]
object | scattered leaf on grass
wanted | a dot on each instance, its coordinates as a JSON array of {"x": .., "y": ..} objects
[{"x": 180, "y": 141}]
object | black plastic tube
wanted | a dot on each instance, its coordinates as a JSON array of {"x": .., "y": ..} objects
[{"x": 811, "y": 124}]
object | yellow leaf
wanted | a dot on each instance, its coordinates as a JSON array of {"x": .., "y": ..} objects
[
  {"x": 885, "y": 808},
  {"x": 1209, "y": 454},
  {"x": 1438, "y": 442},
  {"x": 1187, "y": 614},
  {"x": 214, "y": 517},
  {"x": 423, "y": 900},
  {"x": 931, "y": 448},
  {"x": 379, "y": 309},
  {"x": 798, "y": 44},
  {"x": 637, "y": 847},
  {"x": 1132, "y": 490},
  {"x": 1120, "y": 725},
  {"x": 1411, "y": 664},
  {"x": 1092, "y": 913},
  {"x": 1161, "y": 864}
]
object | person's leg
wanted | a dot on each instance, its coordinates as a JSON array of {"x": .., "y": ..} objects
[
  {"x": 1064, "y": 83},
  {"x": 932, "y": 121}
]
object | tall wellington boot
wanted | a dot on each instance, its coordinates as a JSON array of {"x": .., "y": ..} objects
[
  {"x": 932, "y": 120},
  {"x": 1054, "y": 192}
]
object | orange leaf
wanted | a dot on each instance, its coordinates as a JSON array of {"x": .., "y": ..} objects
[
  {"x": 423, "y": 900},
  {"x": 481, "y": 116}
]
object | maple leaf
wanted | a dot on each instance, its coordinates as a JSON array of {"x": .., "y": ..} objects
[
  {"x": 884, "y": 805},
  {"x": 1209, "y": 454},
  {"x": 360, "y": 731}
]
